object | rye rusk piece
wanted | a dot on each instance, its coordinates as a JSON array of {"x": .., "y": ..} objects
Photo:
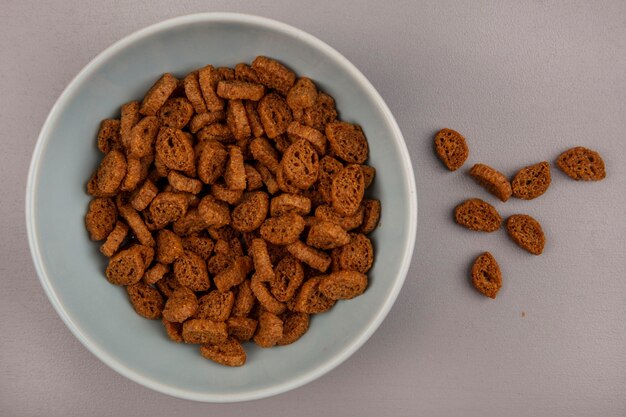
[
  {"x": 486, "y": 275},
  {"x": 526, "y": 232},
  {"x": 451, "y": 148},
  {"x": 580, "y": 163},
  {"x": 478, "y": 215},
  {"x": 494, "y": 181}
]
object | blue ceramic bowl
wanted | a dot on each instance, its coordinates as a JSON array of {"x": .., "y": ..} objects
[{"x": 71, "y": 268}]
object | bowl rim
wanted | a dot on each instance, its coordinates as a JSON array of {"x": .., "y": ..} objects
[{"x": 42, "y": 142}]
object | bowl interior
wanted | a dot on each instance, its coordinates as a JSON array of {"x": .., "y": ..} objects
[{"x": 71, "y": 267}]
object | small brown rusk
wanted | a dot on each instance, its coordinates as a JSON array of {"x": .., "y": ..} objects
[
  {"x": 451, "y": 148},
  {"x": 580, "y": 163},
  {"x": 532, "y": 181},
  {"x": 486, "y": 275},
  {"x": 526, "y": 232},
  {"x": 494, "y": 181},
  {"x": 478, "y": 215}
]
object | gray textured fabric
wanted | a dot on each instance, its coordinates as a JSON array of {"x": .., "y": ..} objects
[{"x": 523, "y": 81}]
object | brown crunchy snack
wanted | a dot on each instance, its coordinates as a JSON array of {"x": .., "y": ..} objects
[
  {"x": 310, "y": 299},
  {"x": 478, "y": 215},
  {"x": 212, "y": 162},
  {"x": 284, "y": 229},
  {"x": 208, "y": 79},
  {"x": 155, "y": 274},
  {"x": 297, "y": 131},
  {"x": 126, "y": 267},
  {"x": 183, "y": 183},
  {"x": 168, "y": 207},
  {"x": 231, "y": 273},
  {"x": 167, "y": 285},
  {"x": 254, "y": 120},
  {"x": 146, "y": 301},
  {"x": 221, "y": 192},
  {"x": 300, "y": 164},
  {"x": 261, "y": 258},
  {"x": 295, "y": 325},
  {"x": 284, "y": 183},
  {"x": 147, "y": 254},
  {"x": 285, "y": 203},
  {"x": 110, "y": 174},
  {"x": 101, "y": 218},
  {"x": 142, "y": 137},
  {"x": 225, "y": 73},
  {"x": 327, "y": 235},
  {"x": 269, "y": 330},
  {"x": 494, "y": 181},
  {"x": 215, "y": 306},
  {"x": 114, "y": 240},
  {"x": 235, "y": 174},
  {"x": 263, "y": 152},
  {"x": 486, "y": 275},
  {"x": 321, "y": 113},
  {"x": 288, "y": 276},
  {"x": 347, "y": 141},
  {"x": 214, "y": 213},
  {"x": 580, "y": 163},
  {"x": 203, "y": 331},
  {"x": 193, "y": 93},
  {"x": 109, "y": 137},
  {"x": 302, "y": 95},
  {"x": 158, "y": 94},
  {"x": 144, "y": 195},
  {"x": 282, "y": 142},
  {"x": 314, "y": 258},
  {"x": 251, "y": 212},
  {"x": 173, "y": 330},
  {"x": 129, "y": 117},
  {"x": 137, "y": 225},
  {"x": 268, "y": 179},
  {"x": 175, "y": 149},
  {"x": 254, "y": 180},
  {"x": 237, "y": 120},
  {"x": 526, "y": 232},
  {"x": 329, "y": 166},
  {"x": 202, "y": 120},
  {"x": 190, "y": 270},
  {"x": 451, "y": 148},
  {"x": 168, "y": 246},
  {"x": 273, "y": 74},
  {"x": 244, "y": 300},
  {"x": 369, "y": 173},
  {"x": 201, "y": 246},
  {"x": 215, "y": 131},
  {"x": 228, "y": 353},
  {"x": 241, "y": 328},
  {"x": 264, "y": 296},
  {"x": 358, "y": 255},
  {"x": 343, "y": 285},
  {"x": 243, "y": 72},
  {"x": 181, "y": 304},
  {"x": 347, "y": 189},
  {"x": 240, "y": 90},
  {"x": 176, "y": 113},
  {"x": 371, "y": 216},
  {"x": 274, "y": 114},
  {"x": 532, "y": 181},
  {"x": 134, "y": 173}
]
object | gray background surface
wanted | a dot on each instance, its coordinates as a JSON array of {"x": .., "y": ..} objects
[{"x": 522, "y": 80}]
